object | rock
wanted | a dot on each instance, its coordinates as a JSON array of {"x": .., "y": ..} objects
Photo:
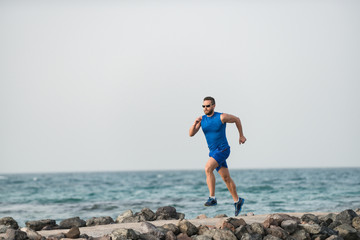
[
  {"x": 219, "y": 234},
  {"x": 346, "y": 217},
  {"x": 301, "y": 235},
  {"x": 201, "y": 237},
  {"x": 148, "y": 228},
  {"x": 12, "y": 234},
  {"x": 334, "y": 237},
  {"x": 148, "y": 214},
  {"x": 148, "y": 236},
  {"x": 202, "y": 229},
  {"x": 170, "y": 236},
  {"x": 172, "y": 227},
  {"x": 32, "y": 235},
  {"x": 180, "y": 216},
  {"x": 257, "y": 228},
  {"x": 220, "y": 216},
  {"x": 123, "y": 234},
  {"x": 356, "y": 223},
  {"x": 50, "y": 227},
  {"x": 309, "y": 218},
  {"x": 72, "y": 222},
  {"x": 74, "y": 232},
  {"x": 201, "y": 216},
  {"x": 4, "y": 228},
  {"x": 347, "y": 232},
  {"x": 56, "y": 236},
  {"x": 311, "y": 228},
  {"x": 334, "y": 224},
  {"x": 124, "y": 215},
  {"x": 240, "y": 231},
  {"x": 230, "y": 223},
  {"x": 357, "y": 211},
  {"x": 183, "y": 236},
  {"x": 236, "y": 222},
  {"x": 271, "y": 237},
  {"x": 107, "y": 237},
  {"x": 277, "y": 218},
  {"x": 250, "y": 214},
  {"x": 326, "y": 232},
  {"x": 99, "y": 221},
  {"x": 188, "y": 228},
  {"x": 289, "y": 226},
  {"x": 9, "y": 222},
  {"x": 277, "y": 232},
  {"x": 39, "y": 225},
  {"x": 327, "y": 219},
  {"x": 166, "y": 213},
  {"x": 253, "y": 236}
]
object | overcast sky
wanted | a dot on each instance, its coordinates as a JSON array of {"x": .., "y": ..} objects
[{"x": 116, "y": 85}]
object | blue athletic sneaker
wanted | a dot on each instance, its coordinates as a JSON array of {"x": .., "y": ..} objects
[
  {"x": 238, "y": 206},
  {"x": 210, "y": 202}
]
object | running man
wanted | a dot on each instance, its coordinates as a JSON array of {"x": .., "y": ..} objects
[{"x": 213, "y": 125}]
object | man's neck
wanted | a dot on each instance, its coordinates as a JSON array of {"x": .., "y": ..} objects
[{"x": 212, "y": 114}]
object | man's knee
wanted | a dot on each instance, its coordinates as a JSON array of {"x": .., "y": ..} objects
[
  {"x": 227, "y": 178},
  {"x": 209, "y": 169}
]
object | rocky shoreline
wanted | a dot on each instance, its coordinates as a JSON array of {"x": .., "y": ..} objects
[{"x": 167, "y": 224}]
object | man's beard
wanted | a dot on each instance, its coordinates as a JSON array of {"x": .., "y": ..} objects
[{"x": 210, "y": 112}]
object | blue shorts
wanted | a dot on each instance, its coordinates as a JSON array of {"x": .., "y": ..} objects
[{"x": 220, "y": 155}]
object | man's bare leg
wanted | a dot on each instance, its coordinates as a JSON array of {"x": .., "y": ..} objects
[
  {"x": 210, "y": 177},
  {"x": 225, "y": 174}
]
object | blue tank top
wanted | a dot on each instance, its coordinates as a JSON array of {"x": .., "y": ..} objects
[{"x": 214, "y": 131}]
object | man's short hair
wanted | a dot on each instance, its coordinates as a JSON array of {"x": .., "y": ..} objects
[{"x": 211, "y": 99}]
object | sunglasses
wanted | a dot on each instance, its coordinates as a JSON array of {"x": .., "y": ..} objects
[{"x": 204, "y": 106}]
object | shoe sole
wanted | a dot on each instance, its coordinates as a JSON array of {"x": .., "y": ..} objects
[{"x": 210, "y": 205}]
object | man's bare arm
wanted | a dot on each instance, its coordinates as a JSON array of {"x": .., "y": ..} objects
[
  {"x": 228, "y": 118},
  {"x": 195, "y": 127}
]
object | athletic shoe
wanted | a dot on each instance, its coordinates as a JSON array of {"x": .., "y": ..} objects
[
  {"x": 238, "y": 206},
  {"x": 210, "y": 202}
]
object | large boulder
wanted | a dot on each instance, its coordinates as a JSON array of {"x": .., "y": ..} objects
[
  {"x": 7, "y": 223},
  {"x": 301, "y": 235},
  {"x": 40, "y": 224},
  {"x": 257, "y": 228},
  {"x": 166, "y": 213},
  {"x": 356, "y": 223},
  {"x": 277, "y": 232},
  {"x": 148, "y": 214},
  {"x": 72, "y": 222},
  {"x": 172, "y": 227},
  {"x": 289, "y": 226},
  {"x": 148, "y": 228},
  {"x": 347, "y": 232},
  {"x": 220, "y": 234},
  {"x": 99, "y": 221},
  {"x": 277, "y": 218},
  {"x": 311, "y": 228},
  {"x": 12, "y": 234},
  {"x": 74, "y": 232},
  {"x": 127, "y": 214},
  {"x": 271, "y": 237},
  {"x": 309, "y": 218},
  {"x": 346, "y": 216},
  {"x": 188, "y": 228},
  {"x": 32, "y": 235},
  {"x": 123, "y": 234},
  {"x": 254, "y": 236}
]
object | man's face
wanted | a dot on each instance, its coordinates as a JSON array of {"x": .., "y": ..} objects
[{"x": 208, "y": 107}]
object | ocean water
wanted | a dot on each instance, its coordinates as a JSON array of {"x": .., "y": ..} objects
[{"x": 63, "y": 195}]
